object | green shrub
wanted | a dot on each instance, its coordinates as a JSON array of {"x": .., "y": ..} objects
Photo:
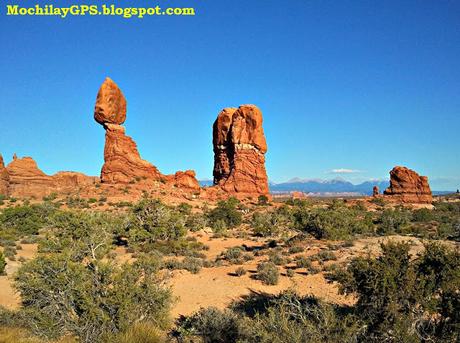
[
  {"x": 226, "y": 212},
  {"x": 60, "y": 296},
  {"x": 393, "y": 221},
  {"x": 268, "y": 273},
  {"x": 212, "y": 325},
  {"x": 335, "y": 222},
  {"x": 2, "y": 264},
  {"x": 192, "y": 264},
  {"x": 151, "y": 220},
  {"x": 402, "y": 299}
]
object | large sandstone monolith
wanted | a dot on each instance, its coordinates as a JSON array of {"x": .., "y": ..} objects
[
  {"x": 239, "y": 151},
  {"x": 122, "y": 161},
  {"x": 408, "y": 187}
]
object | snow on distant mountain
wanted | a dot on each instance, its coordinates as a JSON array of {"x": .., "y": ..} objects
[{"x": 336, "y": 185}]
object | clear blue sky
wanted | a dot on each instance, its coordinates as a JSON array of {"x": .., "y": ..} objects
[{"x": 359, "y": 85}]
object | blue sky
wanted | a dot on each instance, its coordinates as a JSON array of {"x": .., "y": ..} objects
[{"x": 352, "y": 86}]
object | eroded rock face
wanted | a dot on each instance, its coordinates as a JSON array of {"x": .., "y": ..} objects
[
  {"x": 25, "y": 179},
  {"x": 239, "y": 151},
  {"x": 408, "y": 187},
  {"x": 110, "y": 105},
  {"x": 4, "y": 178},
  {"x": 123, "y": 163},
  {"x": 186, "y": 179}
]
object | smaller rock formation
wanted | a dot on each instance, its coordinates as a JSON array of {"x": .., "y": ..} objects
[
  {"x": 239, "y": 151},
  {"x": 186, "y": 179},
  {"x": 4, "y": 178},
  {"x": 25, "y": 179},
  {"x": 407, "y": 186},
  {"x": 375, "y": 191}
]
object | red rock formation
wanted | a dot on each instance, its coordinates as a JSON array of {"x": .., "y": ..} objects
[
  {"x": 239, "y": 148},
  {"x": 186, "y": 179},
  {"x": 375, "y": 191},
  {"x": 110, "y": 104},
  {"x": 122, "y": 161},
  {"x": 25, "y": 179},
  {"x": 4, "y": 178},
  {"x": 408, "y": 187}
]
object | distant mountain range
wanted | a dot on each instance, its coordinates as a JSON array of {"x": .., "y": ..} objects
[
  {"x": 337, "y": 185},
  {"x": 322, "y": 187}
]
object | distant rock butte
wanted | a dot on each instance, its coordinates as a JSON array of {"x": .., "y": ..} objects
[
  {"x": 122, "y": 161},
  {"x": 408, "y": 187},
  {"x": 375, "y": 191},
  {"x": 239, "y": 151},
  {"x": 23, "y": 178}
]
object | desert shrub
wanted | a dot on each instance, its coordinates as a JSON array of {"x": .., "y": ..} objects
[
  {"x": 50, "y": 197},
  {"x": 393, "y": 221},
  {"x": 90, "y": 300},
  {"x": 212, "y": 326},
  {"x": 240, "y": 271},
  {"x": 290, "y": 272},
  {"x": 20, "y": 221},
  {"x": 2, "y": 263},
  {"x": 295, "y": 249},
  {"x": 192, "y": 264},
  {"x": 271, "y": 223},
  {"x": 80, "y": 234},
  {"x": 195, "y": 222},
  {"x": 262, "y": 200},
  {"x": 268, "y": 273},
  {"x": 335, "y": 222},
  {"x": 234, "y": 255},
  {"x": 277, "y": 258},
  {"x": 226, "y": 212},
  {"x": 262, "y": 318},
  {"x": 324, "y": 256},
  {"x": 405, "y": 300},
  {"x": 151, "y": 220},
  {"x": 76, "y": 202}
]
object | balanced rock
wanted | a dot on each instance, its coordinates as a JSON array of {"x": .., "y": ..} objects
[
  {"x": 110, "y": 104},
  {"x": 408, "y": 187},
  {"x": 239, "y": 151}
]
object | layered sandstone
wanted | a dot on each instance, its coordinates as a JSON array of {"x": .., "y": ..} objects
[
  {"x": 408, "y": 187},
  {"x": 25, "y": 179},
  {"x": 239, "y": 151},
  {"x": 4, "y": 178},
  {"x": 122, "y": 161}
]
